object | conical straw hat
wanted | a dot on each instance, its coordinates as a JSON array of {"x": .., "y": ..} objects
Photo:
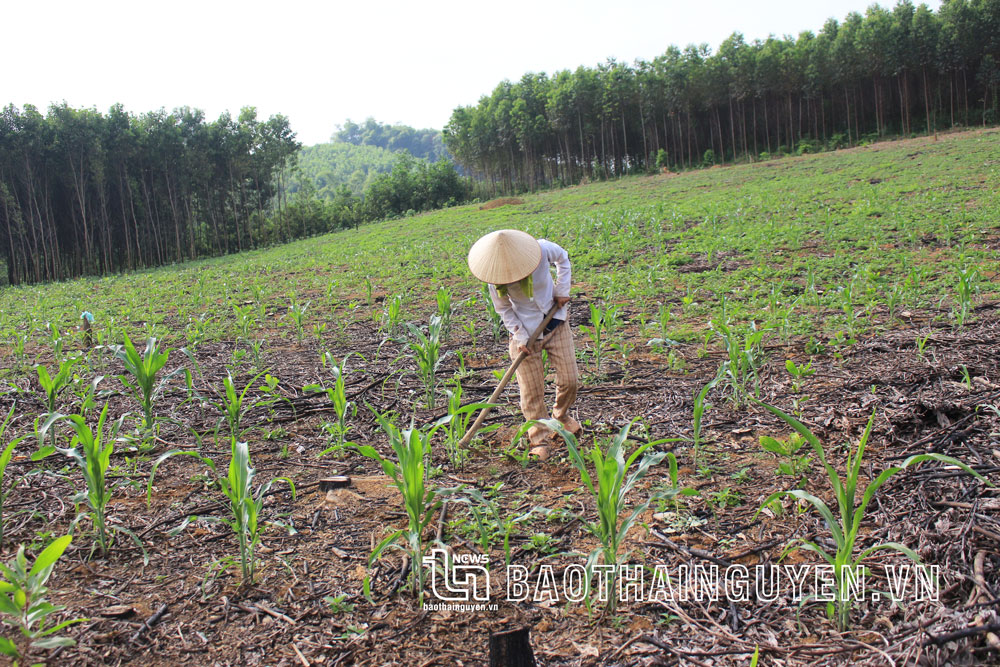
[{"x": 504, "y": 256}]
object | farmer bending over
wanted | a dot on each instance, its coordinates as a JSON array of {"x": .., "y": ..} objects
[{"x": 516, "y": 266}]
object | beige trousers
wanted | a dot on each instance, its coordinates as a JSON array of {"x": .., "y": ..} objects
[{"x": 531, "y": 380}]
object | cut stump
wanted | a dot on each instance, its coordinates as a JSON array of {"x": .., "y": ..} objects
[{"x": 511, "y": 648}]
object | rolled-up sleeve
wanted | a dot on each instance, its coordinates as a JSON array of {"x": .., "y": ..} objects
[{"x": 510, "y": 319}]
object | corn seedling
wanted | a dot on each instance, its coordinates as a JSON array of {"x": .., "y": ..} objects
[
  {"x": 369, "y": 292},
  {"x": 696, "y": 416},
  {"x": 845, "y": 532},
  {"x": 53, "y": 386},
  {"x": 5, "y": 457},
  {"x": 745, "y": 357},
  {"x": 496, "y": 320},
  {"x": 55, "y": 340},
  {"x": 963, "y": 295},
  {"x": 922, "y": 344},
  {"x": 456, "y": 423},
  {"x": 675, "y": 490},
  {"x": 245, "y": 318},
  {"x": 392, "y": 315},
  {"x": 18, "y": 343},
  {"x": 342, "y": 408},
  {"x": 197, "y": 331},
  {"x": 426, "y": 352},
  {"x": 91, "y": 450},
  {"x": 614, "y": 477},
  {"x": 245, "y": 506},
  {"x": 602, "y": 330},
  {"x": 420, "y": 500},
  {"x": 141, "y": 380},
  {"x": 23, "y": 604},
  {"x": 234, "y": 406},
  {"x": 297, "y": 314},
  {"x": 445, "y": 309}
]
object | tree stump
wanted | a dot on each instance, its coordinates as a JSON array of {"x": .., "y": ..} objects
[{"x": 511, "y": 648}]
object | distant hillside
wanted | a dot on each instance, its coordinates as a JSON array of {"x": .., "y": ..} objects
[
  {"x": 359, "y": 153},
  {"x": 328, "y": 166},
  {"x": 426, "y": 144}
]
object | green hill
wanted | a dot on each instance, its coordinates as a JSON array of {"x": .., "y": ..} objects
[
  {"x": 329, "y": 166},
  {"x": 358, "y": 153}
]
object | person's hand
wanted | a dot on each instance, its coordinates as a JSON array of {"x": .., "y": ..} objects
[
  {"x": 562, "y": 300},
  {"x": 525, "y": 350}
]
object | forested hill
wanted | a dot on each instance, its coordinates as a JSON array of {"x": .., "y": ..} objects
[
  {"x": 330, "y": 166},
  {"x": 425, "y": 143},
  {"x": 887, "y": 73},
  {"x": 360, "y": 152}
]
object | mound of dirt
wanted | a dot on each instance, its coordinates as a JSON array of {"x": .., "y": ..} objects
[{"x": 497, "y": 203}]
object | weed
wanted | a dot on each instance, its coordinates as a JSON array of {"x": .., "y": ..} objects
[{"x": 794, "y": 465}]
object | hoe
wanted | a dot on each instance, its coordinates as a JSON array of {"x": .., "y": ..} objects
[{"x": 467, "y": 438}]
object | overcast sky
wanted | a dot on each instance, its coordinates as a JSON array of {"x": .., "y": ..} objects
[{"x": 320, "y": 63}]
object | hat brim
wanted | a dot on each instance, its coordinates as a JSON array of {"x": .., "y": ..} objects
[{"x": 504, "y": 256}]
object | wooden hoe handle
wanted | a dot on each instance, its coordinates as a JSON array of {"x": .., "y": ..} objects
[{"x": 505, "y": 380}]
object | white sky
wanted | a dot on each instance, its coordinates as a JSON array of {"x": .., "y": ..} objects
[{"x": 320, "y": 63}]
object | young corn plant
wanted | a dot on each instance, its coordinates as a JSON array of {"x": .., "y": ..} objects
[
  {"x": 245, "y": 506},
  {"x": 245, "y": 318},
  {"x": 614, "y": 477},
  {"x": 426, "y": 352},
  {"x": 297, "y": 314},
  {"x": 445, "y": 309},
  {"x": 700, "y": 406},
  {"x": 53, "y": 386},
  {"x": 456, "y": 424},
  {"x": 392, "y": 315},
  {"x": 336, "y": 430},
  {"x": 5, "y": 457},
  {"x": 675, "y": 491},
  {"x": 496, "y": 320},
  {"x": 851, "y": 509},
  {"x": 745, "y": 357},
  {"x": 420, "y": 500},
  {"x": 604, "y": 323},
  {"x": 91, "y": 450},
  {"x": 234, "y": 404},
  {"x": 963, "y": 295},
  {"x": 23, "y": 604},
  {"x": 141, "y": 380}
]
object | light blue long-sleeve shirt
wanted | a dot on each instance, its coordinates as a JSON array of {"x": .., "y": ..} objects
[{"x": 522, "y": 315}]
